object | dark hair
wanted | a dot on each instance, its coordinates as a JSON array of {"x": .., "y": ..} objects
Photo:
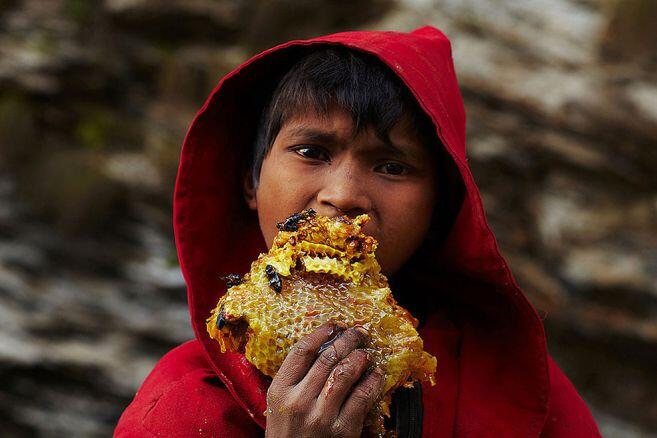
[{"x": 340, "y": 77}]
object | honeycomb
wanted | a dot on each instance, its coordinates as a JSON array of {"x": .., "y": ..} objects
[{"x": 320, "y": 269}]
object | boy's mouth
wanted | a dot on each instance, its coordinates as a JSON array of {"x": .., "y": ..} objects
[{"x": 321, "y": 246}]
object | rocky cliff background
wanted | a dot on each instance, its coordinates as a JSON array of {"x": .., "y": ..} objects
[{"x": 95, "y": 98}]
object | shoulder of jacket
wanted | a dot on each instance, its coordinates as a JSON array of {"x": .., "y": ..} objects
[
  {"x": 183, "y": 395},
  {"x": 568, "y": 415}
]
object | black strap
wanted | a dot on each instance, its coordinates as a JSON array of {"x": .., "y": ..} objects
[{"x": 406, "y": 409}]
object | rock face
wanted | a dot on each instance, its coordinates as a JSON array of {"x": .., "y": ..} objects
[{"x": 95, "y": 98}]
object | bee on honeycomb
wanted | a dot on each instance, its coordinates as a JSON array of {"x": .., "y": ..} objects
[{"x": 320, "y": 269}]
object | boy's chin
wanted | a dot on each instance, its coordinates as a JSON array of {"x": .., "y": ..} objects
[{"x": 386, "y": 268}]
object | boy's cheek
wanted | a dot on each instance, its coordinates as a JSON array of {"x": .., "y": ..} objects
[
  {"x": 405, "y": 226},
  {"x": 391, "y": 254},
  {"x": 279, "y": 195}
]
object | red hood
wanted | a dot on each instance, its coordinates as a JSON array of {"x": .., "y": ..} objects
[{"x": 502, "y": 371}]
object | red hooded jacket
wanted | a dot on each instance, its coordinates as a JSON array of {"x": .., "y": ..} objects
[{"x": 496, "y": 378}]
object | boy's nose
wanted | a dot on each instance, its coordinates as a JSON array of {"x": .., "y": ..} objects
[{"x": 343, "y": 193}]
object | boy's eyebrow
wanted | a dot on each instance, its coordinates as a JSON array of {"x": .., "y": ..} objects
[
  {"x": 313, "y": 134},
  {"x": 329, "y": 137}
]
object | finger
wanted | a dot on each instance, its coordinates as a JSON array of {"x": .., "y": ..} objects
[
  {"x": 360, "y": 402},
  {"x": 340, "y": 381},
  {"x": 302, "y": 355},
  {"x": 316, "y": 377}
]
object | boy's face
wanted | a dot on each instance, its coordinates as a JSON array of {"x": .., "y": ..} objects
[{"x": 316, "y": 163}]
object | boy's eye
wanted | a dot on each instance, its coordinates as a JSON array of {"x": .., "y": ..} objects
[
  {"x": 312, "y": 152},
  {"x": 393, "y": 168}
]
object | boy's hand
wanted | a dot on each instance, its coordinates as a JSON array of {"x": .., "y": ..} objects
[{"x": 312, "y": 394}]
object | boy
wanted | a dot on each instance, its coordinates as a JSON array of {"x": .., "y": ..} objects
[{"x": 351, "y": 123}]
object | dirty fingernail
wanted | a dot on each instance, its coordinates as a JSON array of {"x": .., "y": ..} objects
[
  {"x": 363, "y": 331},
  {"x": 340, "y": 325}
]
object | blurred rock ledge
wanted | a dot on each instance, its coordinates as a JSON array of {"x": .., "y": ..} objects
[{"x": 83, "y": 320}]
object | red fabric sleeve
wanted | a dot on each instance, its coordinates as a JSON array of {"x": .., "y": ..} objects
[
  {"x": 568, "y": 416},
  {"x": 183, "y": 397}
]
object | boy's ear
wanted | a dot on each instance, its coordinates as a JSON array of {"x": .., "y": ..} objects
[{"x": 249, "y": 191}]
